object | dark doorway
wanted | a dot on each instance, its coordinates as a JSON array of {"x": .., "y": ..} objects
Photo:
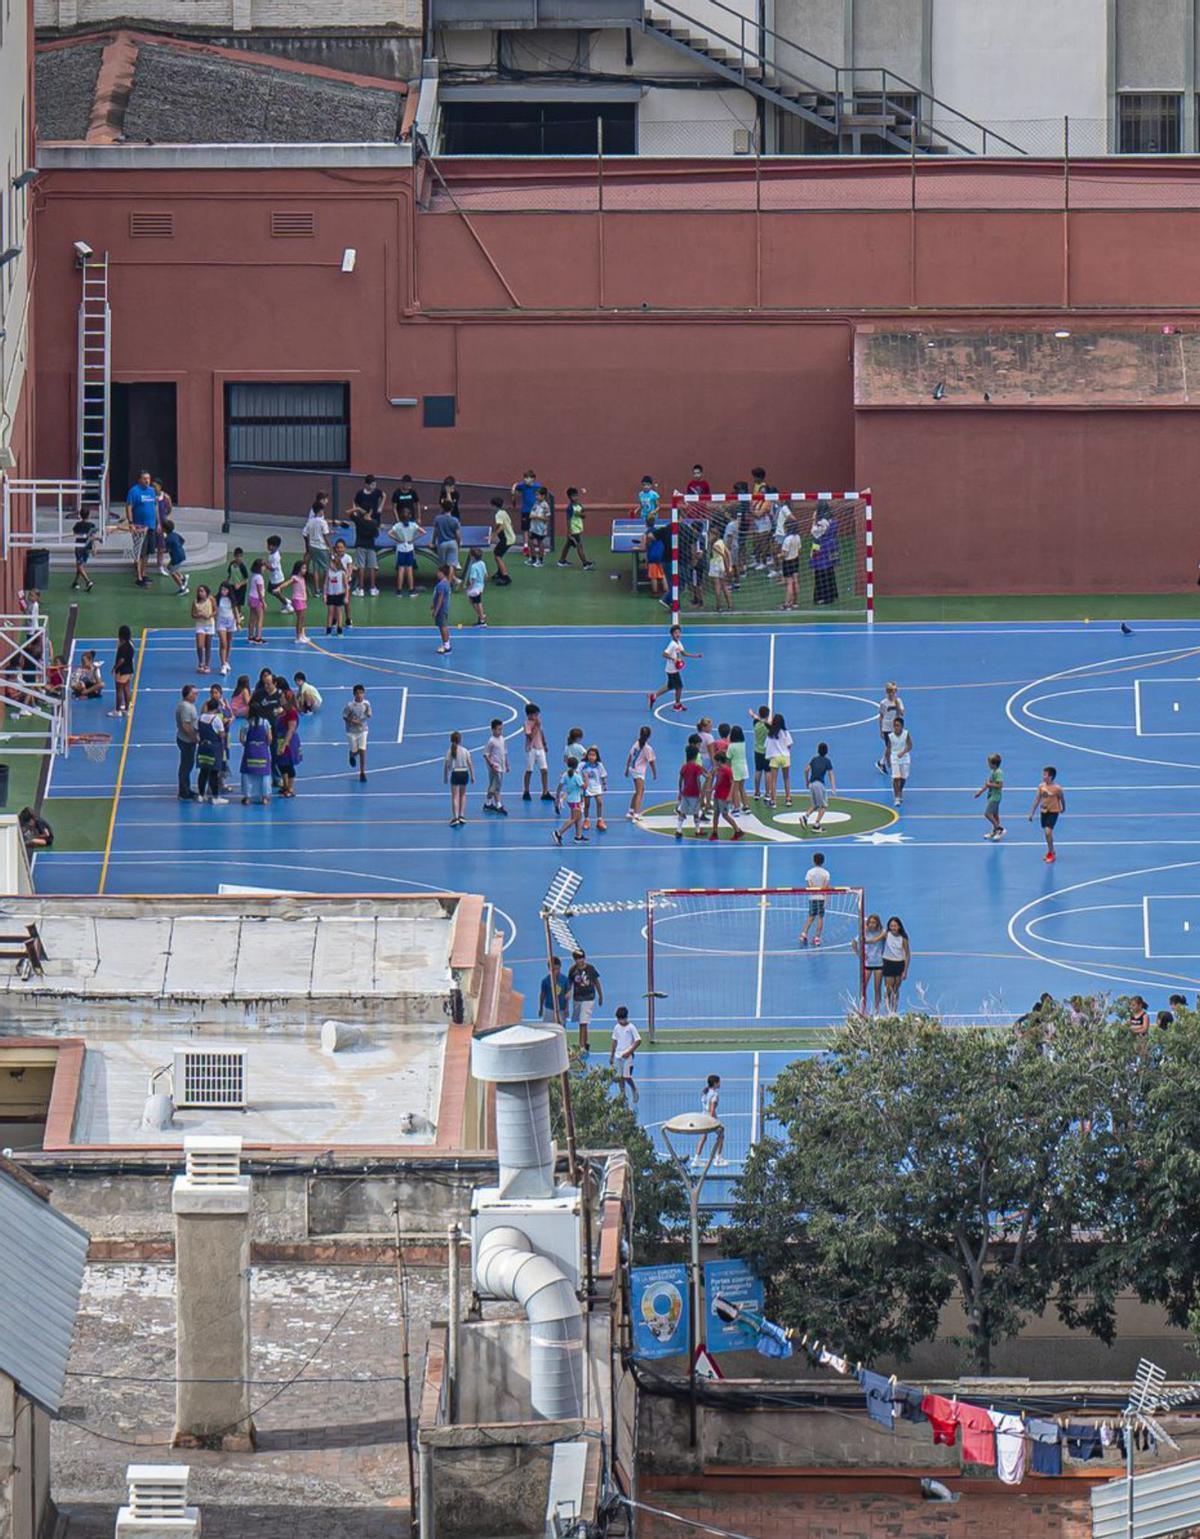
[
  {"x": 538, "y": 128},
  {"x": 143, "y": 437}
]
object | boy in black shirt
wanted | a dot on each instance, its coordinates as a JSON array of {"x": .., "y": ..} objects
[
  {"x": 237, "y": 575},
  {"x": 84, "y": 531}
]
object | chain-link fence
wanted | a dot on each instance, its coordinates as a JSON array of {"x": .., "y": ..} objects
[{"x": 724, "y": 162}]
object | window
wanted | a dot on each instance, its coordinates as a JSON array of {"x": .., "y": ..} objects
[
  {"x": 306, "y": 426},
  {"x": 440, "y": 411},
  {"x": 1149, "y": 122},
  {"x": 538, "y": 128}
]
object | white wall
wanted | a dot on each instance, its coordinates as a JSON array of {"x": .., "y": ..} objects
[
  {"x": 15, "y": 156},
  {"x": 1021, "y": 61}
]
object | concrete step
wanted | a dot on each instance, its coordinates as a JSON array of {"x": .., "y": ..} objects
[{"x": 201, "y": 531}]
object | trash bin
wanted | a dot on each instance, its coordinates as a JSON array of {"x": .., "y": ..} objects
[
  {"x": 37, "y": 569},
  {"x": 3, "y": 785}
]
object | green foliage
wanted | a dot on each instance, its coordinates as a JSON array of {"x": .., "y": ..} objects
[
  {"x": 603, "y": 1121},
  {"x": 915, "y": 1161}
]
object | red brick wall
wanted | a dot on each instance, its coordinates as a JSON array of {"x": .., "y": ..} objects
[{"x": 870, "y": 1517}]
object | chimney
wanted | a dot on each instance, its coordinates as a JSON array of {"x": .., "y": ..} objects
[
  {"x": 158, "y": 1507},
  {"x": 211, "y": 1204}
]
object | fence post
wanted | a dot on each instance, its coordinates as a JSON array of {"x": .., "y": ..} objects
[
  {"x": 600, "y": 211},
  {"x": 1066, "y": 234}
]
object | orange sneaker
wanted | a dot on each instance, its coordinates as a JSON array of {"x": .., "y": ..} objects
[
  {"x": 601, "y": 825},
  {"x": 587, "y": 822}
]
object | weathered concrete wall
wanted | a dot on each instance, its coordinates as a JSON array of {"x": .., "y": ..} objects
[
  {"x": 491, "y": 1491},
  {"x": 289, "y": 1206},
  {"x": 24, "y": 1465}
]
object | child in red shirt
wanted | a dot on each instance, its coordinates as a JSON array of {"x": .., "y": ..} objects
[{"x": 722, "y": 791}]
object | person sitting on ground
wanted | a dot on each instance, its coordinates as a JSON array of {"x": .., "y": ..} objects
[
  {"x": 308, "y": 696},
  {"x": 86, "y": 683},
  {"x": 35, "y": 831}
]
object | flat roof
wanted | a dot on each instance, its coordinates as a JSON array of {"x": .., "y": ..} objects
[{"x": 384, "y": 1090}]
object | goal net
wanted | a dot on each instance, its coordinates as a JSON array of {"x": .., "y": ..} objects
[
  {"x": 792, "y": 552},
  {"x": 747, "y": 958}
]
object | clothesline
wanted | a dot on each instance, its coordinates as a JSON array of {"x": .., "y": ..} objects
[{"x": 997, "y": 1439}]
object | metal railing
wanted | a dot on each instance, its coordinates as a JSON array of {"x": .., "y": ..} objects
[{"x": 50, "y": 509}]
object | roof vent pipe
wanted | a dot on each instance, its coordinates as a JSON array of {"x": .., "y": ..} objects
[
  {"x": 521, "y": 1061},
  {"x": 506, "y": 1266}
]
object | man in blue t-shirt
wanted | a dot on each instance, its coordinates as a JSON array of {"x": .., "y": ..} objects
[
  {"x": 142, "y": 507},
  {"x": 440, "y": 607}
]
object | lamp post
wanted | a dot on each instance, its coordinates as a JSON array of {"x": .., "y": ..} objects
[{"x": 693, "y": 1125}]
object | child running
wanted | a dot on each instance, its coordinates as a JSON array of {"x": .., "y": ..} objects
[
  {"x": 710, "y": 1099},
  {"x": 690, "y": 792},
  {"x": 639, "y": 762},
  {"x": 816, "y": 770},
  {"x": 675, "y": 655},
  {"x": 495, "y": 756},
  {"x": 277, "y": 584},
  {"x": 356, "y": 714},
  {"x": 816, "y": 880},
  {"x": 721, "y": 792},
  {"x": 595, "y": 786},
  {"x": 1051, "y": 801},
  {"x": 570, "y": 790},
  {"x": 994, "y": 787}
]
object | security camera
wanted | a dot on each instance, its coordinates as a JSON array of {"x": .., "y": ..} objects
[
  {"x": 82, "y": 251},
  {"x": 349, "y": 257}
]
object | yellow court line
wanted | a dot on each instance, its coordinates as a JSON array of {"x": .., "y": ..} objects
[{"x": 116, "y": 799}]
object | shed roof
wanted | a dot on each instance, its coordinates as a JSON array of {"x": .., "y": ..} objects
[{"x": 42, "y": 1260}]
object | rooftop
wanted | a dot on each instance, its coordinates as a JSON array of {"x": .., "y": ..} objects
[{"x": 137, "y": 88}]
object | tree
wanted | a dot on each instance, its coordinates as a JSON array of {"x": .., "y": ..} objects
[
  {"x": 603, "y": 1121},
  {"x": 916, "y": 1161}
]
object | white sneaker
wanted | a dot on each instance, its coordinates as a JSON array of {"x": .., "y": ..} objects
[
  {"x": 287, "y": 610},
  {"x": 443, "y": 647},
  {"x": 219, "y": 801},
  {"x": 224, "y": 667},
  {"x": 374, "y": 592},
  {"x": 304, "y": 641}
]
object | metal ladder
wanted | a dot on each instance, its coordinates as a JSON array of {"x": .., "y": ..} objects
[{"x": 93, "y": 376}]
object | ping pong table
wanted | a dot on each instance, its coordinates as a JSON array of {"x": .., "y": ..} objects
[{"x": 629, "y": 539}]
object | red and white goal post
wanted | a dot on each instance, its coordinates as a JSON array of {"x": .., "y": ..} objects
[
  {"x": 836, "y": 553},
  {"x": 732, "y": 959}
]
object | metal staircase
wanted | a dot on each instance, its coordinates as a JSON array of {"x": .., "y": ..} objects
[
  {"x": 93, "y": 374},
  {"x": 847, "y": 110}
]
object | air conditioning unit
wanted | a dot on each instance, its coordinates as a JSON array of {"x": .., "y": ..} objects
[
  {"x": 212, "y": 1078},
  {"x": 743, "y": 141},
  {"x": 553, "y": 1225}
]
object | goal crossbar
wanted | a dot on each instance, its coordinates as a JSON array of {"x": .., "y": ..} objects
[{"x": 746, "y": 941}]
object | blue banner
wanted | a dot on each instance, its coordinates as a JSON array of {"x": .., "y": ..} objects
[
  {"x": 734, "y": 1282},
  {"x": 659, "y": 1307}
]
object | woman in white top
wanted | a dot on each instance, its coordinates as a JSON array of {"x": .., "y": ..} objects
[
  {"x": 778, "y": 749},
  {"x": 719, "y": 566},
  {"x": 898, "y": 747},
  {"x": 458, "y": 771},
  {"x": 639, "y": 762},
  {"x": 897, "y": 954}
]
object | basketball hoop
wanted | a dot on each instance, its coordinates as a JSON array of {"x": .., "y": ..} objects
[{"x": 94, "y": 744}]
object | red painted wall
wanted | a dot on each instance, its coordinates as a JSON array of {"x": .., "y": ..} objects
[
  {"x": 1033, "y": 502},
  {"x": 640, "y": 341}
]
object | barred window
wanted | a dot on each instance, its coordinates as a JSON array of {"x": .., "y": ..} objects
[
  {"x": 306, "y": 426},
  {"x": 1149, "y": 123}
]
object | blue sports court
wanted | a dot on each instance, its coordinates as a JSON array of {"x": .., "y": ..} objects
[{"x": 991, "y": 925}]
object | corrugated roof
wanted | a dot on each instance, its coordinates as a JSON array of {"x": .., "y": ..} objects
[{"x": 42, "y": 1257}]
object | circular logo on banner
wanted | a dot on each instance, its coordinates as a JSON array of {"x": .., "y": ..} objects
[
  {"x": 662, "y": 1306},
  {"x": 778, "y": 825}
]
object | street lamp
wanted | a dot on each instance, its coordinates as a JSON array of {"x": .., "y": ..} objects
[{"x": 693, "y": 1125}]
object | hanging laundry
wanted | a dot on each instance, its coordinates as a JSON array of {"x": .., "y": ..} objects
[
  {"x": 906, "y": 1402},
  {"x": 942, "y": 1417},
  {"x": 1010, "y": 1447},
  {"x": 1106, "y": 1434},
  {"x": 1047, "y": 1446},
  {"x": 1121, "y": 1449},
  {"x": 828, "y": 1360},
  {"x": 1083, "y": 1440},
  {"x": 878, "y": 1392},
  {"x": 979, "y": 1435}
]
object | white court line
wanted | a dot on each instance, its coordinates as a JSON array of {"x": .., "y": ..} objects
[
  {"x": 403, "y": 714},
  {"x": 1146, "y": 949},
  {"x": 762, "y": 935},
  {"x": 1137, "y": 707}
]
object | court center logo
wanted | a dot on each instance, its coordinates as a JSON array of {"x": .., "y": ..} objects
[{"x": 783, "y": 824}]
